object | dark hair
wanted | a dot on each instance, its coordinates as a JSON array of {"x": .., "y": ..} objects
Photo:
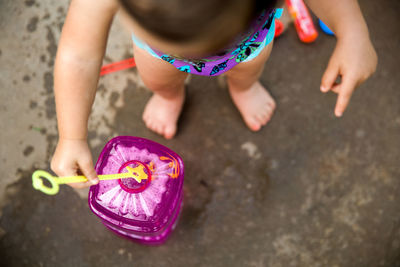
[{"x": 186, "y": 20}]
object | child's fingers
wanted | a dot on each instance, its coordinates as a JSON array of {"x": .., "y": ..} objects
[
  {"x": 62, "y": 169},
  {"x": 87, "y": 169},
  {"x": 80, "y": 185},
  {"x": 336, "y": 88},
  {"x": 345, "y": 90},
  {"x": 329, "y": 77}
]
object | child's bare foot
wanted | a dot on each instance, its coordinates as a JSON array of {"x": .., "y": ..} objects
[
  {"x": 255, "y": 104},
  {"x": 161, "y": 114}
]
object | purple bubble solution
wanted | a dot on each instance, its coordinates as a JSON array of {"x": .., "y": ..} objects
[{"x": 146, "y": 210}]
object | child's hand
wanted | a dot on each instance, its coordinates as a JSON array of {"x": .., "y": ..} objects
[
  {"x": 354, "y": 59},
  {"x": 73, "y": 157}
]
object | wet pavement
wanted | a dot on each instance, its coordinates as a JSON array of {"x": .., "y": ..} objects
[{"x": 307, "y": 190}]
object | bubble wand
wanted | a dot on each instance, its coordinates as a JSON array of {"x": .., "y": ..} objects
[{"x": 136, "y": 173}]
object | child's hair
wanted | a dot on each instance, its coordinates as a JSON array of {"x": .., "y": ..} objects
[{"x": 186, "y": 20}]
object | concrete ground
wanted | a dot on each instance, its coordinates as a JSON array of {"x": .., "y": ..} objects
[{"x": 307, "y": 190}]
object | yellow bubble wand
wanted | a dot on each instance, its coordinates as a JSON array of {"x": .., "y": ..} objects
[{"x": 136, "y": 173}]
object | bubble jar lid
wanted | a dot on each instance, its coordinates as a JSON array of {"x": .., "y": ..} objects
[{"x": 145, "y": 207}]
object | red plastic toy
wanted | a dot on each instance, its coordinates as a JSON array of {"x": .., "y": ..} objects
[
  {"x": 302, "y": 20},
  {"x": 278, "y": 27},
  {"x": 117, "y": 66}
]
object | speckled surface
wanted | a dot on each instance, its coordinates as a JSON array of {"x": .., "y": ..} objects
[{"x": 307, "y": 190}]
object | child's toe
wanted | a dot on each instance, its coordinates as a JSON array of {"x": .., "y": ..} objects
[
  {"x": 253, "y": 124},
  {"x": 262, "y": 119},
  {"x": 169, "y": 131}
]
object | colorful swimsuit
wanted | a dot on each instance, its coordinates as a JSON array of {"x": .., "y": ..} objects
[{"x": 245, "y": 49}]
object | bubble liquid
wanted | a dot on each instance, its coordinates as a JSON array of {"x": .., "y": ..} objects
[{"x": 143, "y": 210}]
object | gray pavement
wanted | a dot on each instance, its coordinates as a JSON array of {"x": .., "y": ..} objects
[{"x": 307, "y": 190}]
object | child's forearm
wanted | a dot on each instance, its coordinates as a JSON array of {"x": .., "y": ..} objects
[
  {"x": 79, "y": 57},
  {"x": 75, "y": 85},
  {"x": 343, "y": 17}
]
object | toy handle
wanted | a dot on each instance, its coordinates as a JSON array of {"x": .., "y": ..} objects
[
  {"x": 136, "y": 173},
  {"x": 37, "y": 182}
]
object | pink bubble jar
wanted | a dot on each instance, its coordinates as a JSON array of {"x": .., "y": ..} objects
[{"x": 145, "y": 210}]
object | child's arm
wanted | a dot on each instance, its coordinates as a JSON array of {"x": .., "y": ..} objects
[
  {"x": 354, "y": 57},
  {"x": 79, "y": 58}
]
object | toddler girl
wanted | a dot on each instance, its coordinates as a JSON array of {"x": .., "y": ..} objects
[{"x": 175, "y": 37}]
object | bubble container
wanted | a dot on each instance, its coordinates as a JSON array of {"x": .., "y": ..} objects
[{"x": 147, "y": 210}]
